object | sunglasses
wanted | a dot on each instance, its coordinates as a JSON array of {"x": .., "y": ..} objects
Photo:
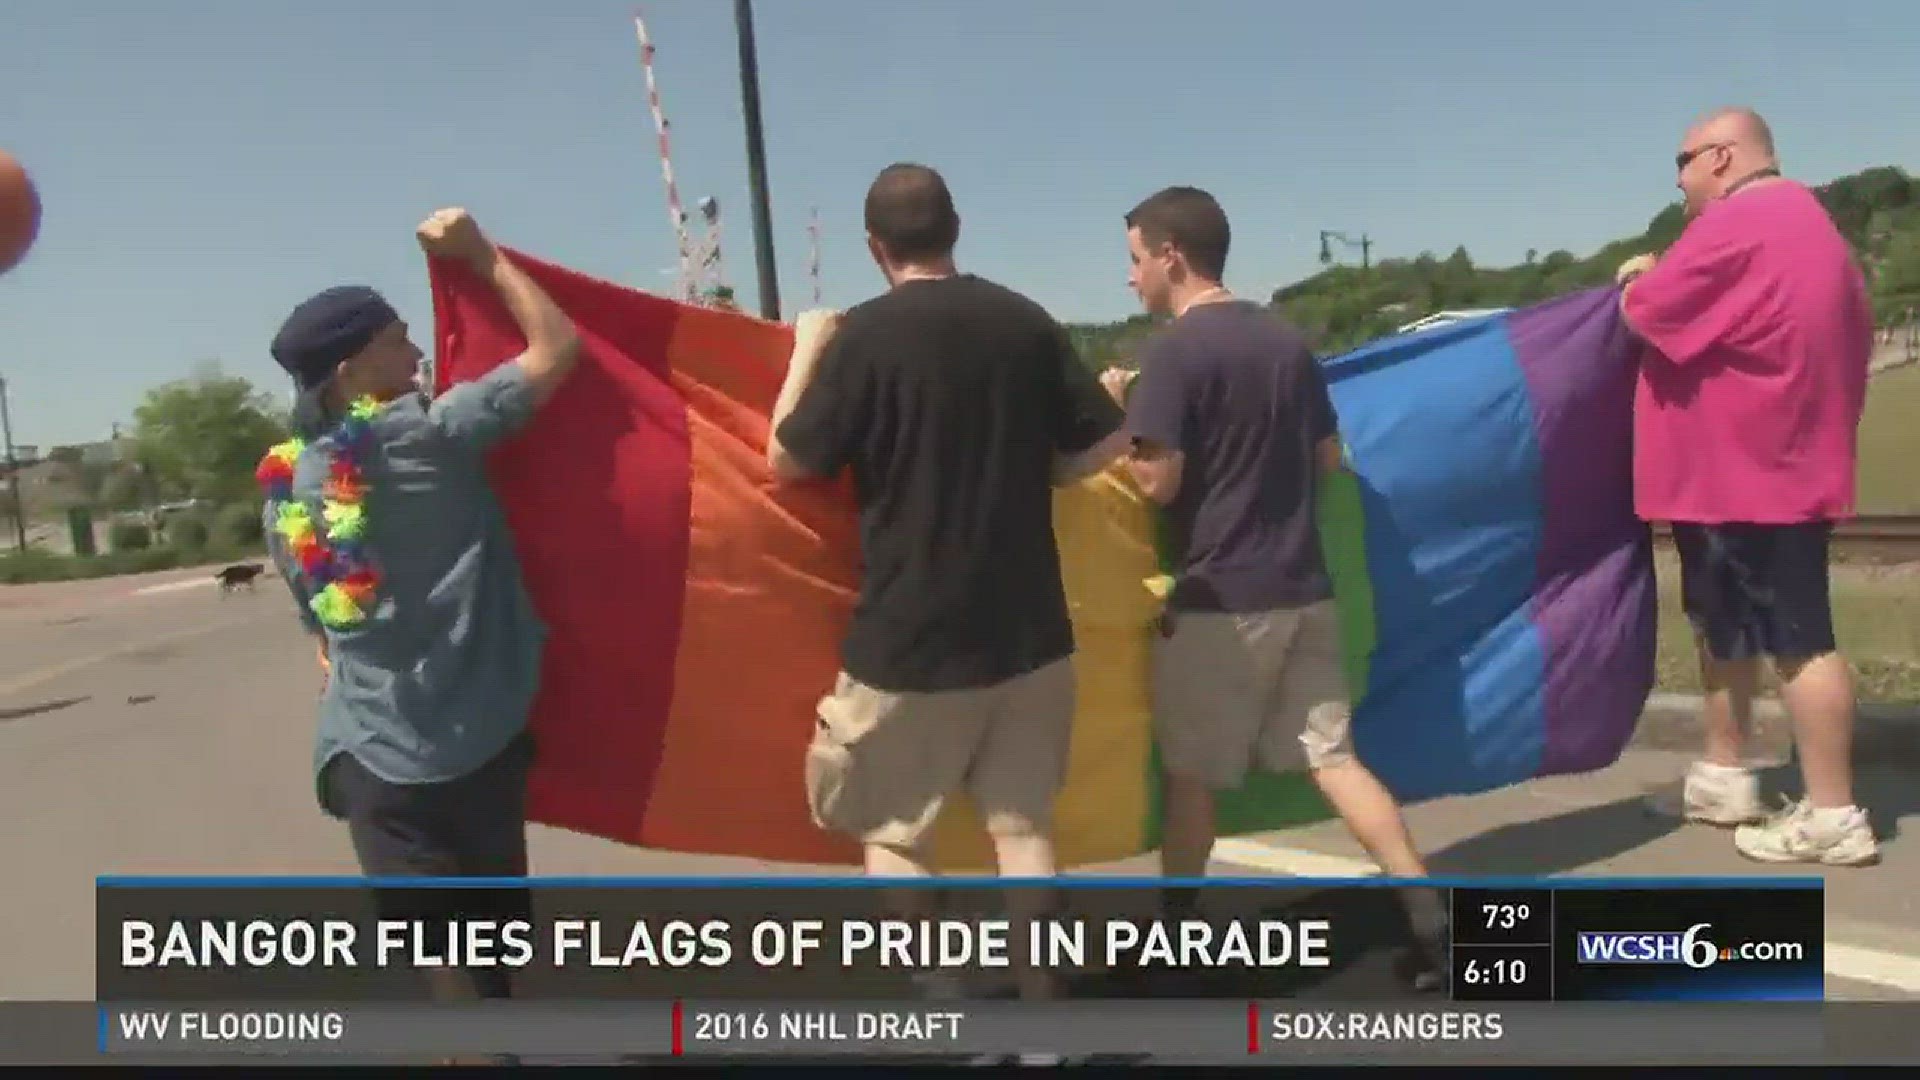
[{"x": 1685, "y": 157}]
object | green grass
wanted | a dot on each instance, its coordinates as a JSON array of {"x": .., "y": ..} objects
[
  {"x": 1876, "y": 617},
  {"x": 35, "y": 566},
  {"x": 1890, "y": 443},
  {"x": 1876, "y": 609}
]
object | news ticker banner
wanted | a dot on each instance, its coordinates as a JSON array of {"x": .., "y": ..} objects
[
  {"x": 818, "y": 939},
  {"x": 1258, "y": 1033}
]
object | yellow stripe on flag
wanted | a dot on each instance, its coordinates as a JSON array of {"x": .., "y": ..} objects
[{"x": 1105, "y": 530}]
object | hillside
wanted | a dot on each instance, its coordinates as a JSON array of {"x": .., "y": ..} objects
[{"x": 1878, "y": 210}]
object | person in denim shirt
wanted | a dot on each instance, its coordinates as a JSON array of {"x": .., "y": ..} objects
[{"x": 422, "y": 745}]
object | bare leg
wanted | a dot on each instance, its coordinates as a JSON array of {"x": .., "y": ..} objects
[
  {"x": 907, "y": 902},
  {"x": 1374, "y": 818},
  {"x": 1726, "y": 711},
  {"x": 1028, "y": 855},
  {"x": 1827, "y": 828},
  {"x": 1819, "y": 697},
  {"x": 1186, "y": 844},
  {"x": 1720, "y": 789},
  {"x": 1372, "y": 815}
]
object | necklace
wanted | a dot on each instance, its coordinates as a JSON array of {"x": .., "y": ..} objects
[
  {"x": 330, "y": 552},
  {"x": 1217, "y": 294},
  {"x": 917, "y": 275}
]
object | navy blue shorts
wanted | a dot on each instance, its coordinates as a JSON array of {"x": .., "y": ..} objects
[
  {"x": 1757, "y": 590},
  {"x": 472, "y": 826}
]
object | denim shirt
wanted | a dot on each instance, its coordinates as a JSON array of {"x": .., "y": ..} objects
[{"x": 441, "y": 675}]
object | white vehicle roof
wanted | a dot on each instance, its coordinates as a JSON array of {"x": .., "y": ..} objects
[{"x": 1442, "y": 318}]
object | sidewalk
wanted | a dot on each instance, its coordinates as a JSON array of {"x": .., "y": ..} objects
[
  {"x": 1886, "y": 736},
  {"x": 1610, "y": 824}
]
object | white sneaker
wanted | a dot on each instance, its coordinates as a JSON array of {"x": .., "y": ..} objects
[
  {"x": 1723, "y": 795},
  {"x": 1802, "y": 834}
]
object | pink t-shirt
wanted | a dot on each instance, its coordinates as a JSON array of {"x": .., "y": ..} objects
[{"x": 1749, "y": 400}]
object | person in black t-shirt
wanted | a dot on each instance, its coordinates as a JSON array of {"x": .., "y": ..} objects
[{"x": 958, "y": 405}]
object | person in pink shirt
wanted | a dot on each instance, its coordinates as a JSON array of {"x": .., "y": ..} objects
[{"x": 1749, "y": 398}]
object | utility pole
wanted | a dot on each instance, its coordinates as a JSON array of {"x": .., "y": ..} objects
[
  {"x": 756, "y": 162},
  {"x": 1365, "y": 244},
  {"x": 13, "y": 471}
]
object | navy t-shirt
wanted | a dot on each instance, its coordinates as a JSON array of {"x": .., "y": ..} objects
[{"x": 1237, "y": 391}]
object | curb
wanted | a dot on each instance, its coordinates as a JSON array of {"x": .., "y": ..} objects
[{"x": 1884, "y": 737}]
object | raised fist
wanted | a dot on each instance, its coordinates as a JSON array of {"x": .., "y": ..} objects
[
  {"x": 1116, "y": 380},
  {"x": 1633, "y": 268},
  {"x": 453, "y": 233},
  {"x": 816, "y": 326}
]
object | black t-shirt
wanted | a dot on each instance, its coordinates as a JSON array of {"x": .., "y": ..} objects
[
  {"x": 949, "y": 398},
  {"x": 1237, "y": 391}
]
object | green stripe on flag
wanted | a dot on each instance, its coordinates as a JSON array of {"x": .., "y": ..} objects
[
  {"x": 1269, "y": 801},
  {"x": 1343, "y": 542}
]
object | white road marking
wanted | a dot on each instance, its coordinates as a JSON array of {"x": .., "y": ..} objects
[
  {"x": 1876, "y": 966},
  {"x": 1857, "y": 963},
  {"x": 1289, "y": 861},
  {"x": 176, "y": 586}
]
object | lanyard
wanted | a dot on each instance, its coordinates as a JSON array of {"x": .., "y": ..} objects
[{"x": 1761, "y": 174}]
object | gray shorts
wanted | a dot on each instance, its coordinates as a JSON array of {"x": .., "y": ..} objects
[{"x": 1233, "y": 691}]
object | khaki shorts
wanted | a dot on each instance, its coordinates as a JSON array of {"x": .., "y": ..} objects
[
  {"x": 1231, "y": 691},
  {"x": 882, "y": 764}
]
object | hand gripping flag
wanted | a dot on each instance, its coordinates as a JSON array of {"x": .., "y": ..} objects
[{"x": 1496, "y": 590}]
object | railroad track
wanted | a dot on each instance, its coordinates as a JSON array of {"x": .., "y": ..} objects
[{"x": 1883, "y": 538}]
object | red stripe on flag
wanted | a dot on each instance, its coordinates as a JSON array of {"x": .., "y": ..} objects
[{"x": 596, "y": 491}]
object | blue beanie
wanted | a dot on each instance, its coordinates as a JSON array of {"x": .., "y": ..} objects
[{"x": 328, "y": 328}]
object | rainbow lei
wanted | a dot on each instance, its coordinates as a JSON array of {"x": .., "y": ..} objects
[{"x": 331, "y": 553}]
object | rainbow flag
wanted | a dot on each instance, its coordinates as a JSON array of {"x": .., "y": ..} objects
[
  {"x": 696, "y": 607},
  {"x": 1496, "y": 587}
]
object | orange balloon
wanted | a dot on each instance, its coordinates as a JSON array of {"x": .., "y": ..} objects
[{"x": 19, "y": 212}]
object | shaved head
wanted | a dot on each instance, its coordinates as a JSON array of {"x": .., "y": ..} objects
[
  {"x": 1735, "y": 123},
  {"x": 1721, "y": 149}
]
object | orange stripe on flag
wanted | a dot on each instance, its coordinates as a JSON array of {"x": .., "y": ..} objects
[{"x": 771, "y": 577}]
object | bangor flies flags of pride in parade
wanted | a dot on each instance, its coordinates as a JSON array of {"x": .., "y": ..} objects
[{"x": 1496, "y": 588}]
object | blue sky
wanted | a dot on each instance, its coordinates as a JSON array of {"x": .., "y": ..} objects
[{"x": 205, "y": 164}]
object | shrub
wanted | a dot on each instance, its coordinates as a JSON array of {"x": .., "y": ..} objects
[
  {"x": 131, "y": 562},
  {"x": 33, "y": 566},
  {"x": 240, "y": 525},
  {"x": 129, "y": 536},
  {"x": 189, "y": 532}
]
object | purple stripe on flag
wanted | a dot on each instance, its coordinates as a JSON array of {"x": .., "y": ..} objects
[{"x": 1594, "y": 597}]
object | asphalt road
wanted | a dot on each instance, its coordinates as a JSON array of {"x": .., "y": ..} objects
[{"x": 151, "y": 725}]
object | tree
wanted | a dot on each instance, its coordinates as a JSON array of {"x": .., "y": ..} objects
[
  {"x": 202, "y": 436},
  {"x": 1340, "y": 307},
  {"x": 1666, "y": 227},
  {"x": 123, "y": 489}
]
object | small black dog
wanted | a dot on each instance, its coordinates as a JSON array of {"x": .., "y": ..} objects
[{"x": 238, "y": 577}]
